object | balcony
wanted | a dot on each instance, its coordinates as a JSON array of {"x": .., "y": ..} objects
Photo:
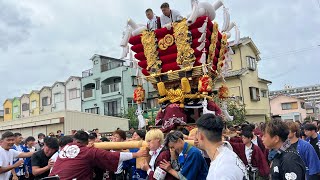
[
  {"x": 110, "y": 65},
  {"x": 109, "y": 88},
  {"x": 87, "y": 73}
]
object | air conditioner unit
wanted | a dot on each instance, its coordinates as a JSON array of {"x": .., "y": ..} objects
[{"x": 41, "y": 109}]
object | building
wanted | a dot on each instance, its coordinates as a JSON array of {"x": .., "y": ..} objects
[
  {"x": 108, "y": 87},
  {"x": 73, "y": 93},
  {"x": 58, "y": 91},
  {"x": 244, "y": 82},
  {"x": 310, "y": 94},
  {"x": 7, "y": 106},
  {"x": 25, "y": 105},
  {"x": 1, "y": 115},
  {"x": 45, "y": 100},
  {"x": 34, "y": 103},
  {"x": 16, "y": 108},
  {"x": 66, "y": 121},
  {"x": 288, "y": 107},
  {"x": 312, "y": 111}
]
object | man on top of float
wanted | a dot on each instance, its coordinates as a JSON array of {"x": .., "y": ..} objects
[{"x": 169, "y": 15}]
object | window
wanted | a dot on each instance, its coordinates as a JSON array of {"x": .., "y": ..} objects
[
  {"x": 152, "y": 103},
  {"x": 93, "y": 110},
  {"x": 58, "y": 98},
  {"x": 251, "y": 62},
  {"x": 131, "y": 104},
  {"x": 288, "y": 106},
  {"x": 108, "y": 65},
  {"x": 25, "y": 107},
  {"x": 254, "y": 94},
  {"x": 74, "y": 94},
  {"x": 7, "y": 111},
  {"x": 112, "y": 108},
  {"x": 296, "y": 117},
  {"x": 15, "y": 109},
  {"x": 95, "y": 62},
  {"x": 134, "y": 81},
  {"x": 302, "y": 104},
  {"x": 113, "y": 87},
  {"x": 33, "y": 104},
  {"x": 97, "y": 84},
  {"x": 45, "y": 101},
  {"x": 264, "y": 93}
]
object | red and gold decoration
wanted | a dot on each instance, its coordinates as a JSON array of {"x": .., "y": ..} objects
[
  {"x": 139, "y": 94},
  {"x": 148, "y": 40},
  {"x": 223, "y": 92},
  {"x": 185, "y": 55},
  {"x": 205, "y": 84}
]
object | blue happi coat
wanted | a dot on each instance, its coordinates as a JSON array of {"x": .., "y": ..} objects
[
  {"x": 24, "y": 169},
  {"x": 309, "y": 157},
  {"x": 192, "y": 164}
]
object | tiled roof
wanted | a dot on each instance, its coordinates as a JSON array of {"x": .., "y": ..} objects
[{"x": 236, "y": 72}]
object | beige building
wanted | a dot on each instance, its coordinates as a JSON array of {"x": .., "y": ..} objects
[
  {"x": 25, "y": 106},
  {"x": 288, "y": 107},
  {"x": 244, "y": 83},
  {"x": 1, "y": 115},
  {"x": 45, "y": 100},
  {"x": 65, "y": 121}
]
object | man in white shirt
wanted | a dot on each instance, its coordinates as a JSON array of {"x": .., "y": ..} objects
[
  {"x": 7, "y": 155},
  {"x": 225, "y": 164},
  {"x": 169, "y": 15},
  {"x": 153, "y": 20}
]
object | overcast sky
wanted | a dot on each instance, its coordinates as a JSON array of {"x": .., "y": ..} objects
[{"x": 43, "y": 41}]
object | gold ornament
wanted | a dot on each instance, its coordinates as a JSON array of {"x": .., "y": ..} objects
[
  {"x": 185, "y": 55},
  {"x": 214, "y": 39},
  {"x": 166, "y": 42},
  {"x": 148, "y": 40}
]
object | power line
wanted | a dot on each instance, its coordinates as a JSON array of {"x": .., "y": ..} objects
[{"x": 291, "y": 52}]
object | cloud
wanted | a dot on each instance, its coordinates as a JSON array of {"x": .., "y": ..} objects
[
  {"x": 46, "y": 41},
  {"x": 14, "y": 25}
]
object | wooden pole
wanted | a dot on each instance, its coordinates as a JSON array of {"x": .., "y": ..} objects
[
  {"x": 129, "y": 145},
  {"x": 126, "y": 145}
]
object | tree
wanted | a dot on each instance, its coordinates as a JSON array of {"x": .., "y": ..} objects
[
  {"x": 309, "y": 118},
  {"x": 131, "y": 115},
  {"x": 237, "y": 111}
]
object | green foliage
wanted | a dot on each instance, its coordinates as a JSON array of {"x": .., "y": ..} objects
[
  {"x": 309, "y": 118},
  {"x": 237, "y": 111},
  {"x": 131, "y": 115}
]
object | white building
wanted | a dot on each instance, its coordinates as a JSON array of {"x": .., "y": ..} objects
[
  {"x": 58, "y": 96},
  {"x": 310, "y": 94},
  {"x": 73, "y": 93}
]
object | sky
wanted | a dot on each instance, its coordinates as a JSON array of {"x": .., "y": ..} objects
[{"x": 43, "y": 41}]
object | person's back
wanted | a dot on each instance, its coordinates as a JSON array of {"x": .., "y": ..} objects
[
  {"x": 77, "y": 161},
  {"x": 288, "y": 165},
  {"x": 219, "y": 168}
]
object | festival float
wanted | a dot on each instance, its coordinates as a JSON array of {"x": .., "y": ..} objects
[{"x": 182, "y": 61}]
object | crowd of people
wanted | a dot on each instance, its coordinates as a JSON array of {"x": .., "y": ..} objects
[{"x": 272, "y": 150}]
